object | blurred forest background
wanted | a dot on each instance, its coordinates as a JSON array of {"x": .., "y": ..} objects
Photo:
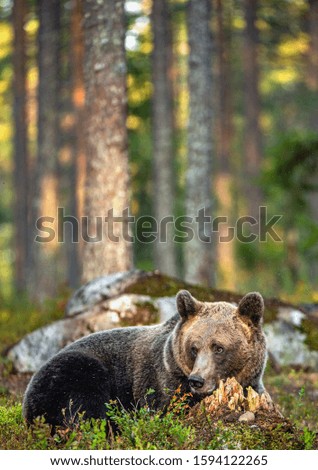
[{"x": 222, "y": 113}]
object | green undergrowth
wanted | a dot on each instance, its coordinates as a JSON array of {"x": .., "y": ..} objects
[
  {"x": 144, "y": 429},
  {"x": 297, "y": 394}
]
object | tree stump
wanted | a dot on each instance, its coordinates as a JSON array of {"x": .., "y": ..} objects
[{"x": 229, "y": 403}]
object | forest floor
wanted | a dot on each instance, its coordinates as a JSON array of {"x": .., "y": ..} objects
[{"x": 294, "y": 426}]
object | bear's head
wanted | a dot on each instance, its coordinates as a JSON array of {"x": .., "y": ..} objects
[{"x": 217, "y": 340}]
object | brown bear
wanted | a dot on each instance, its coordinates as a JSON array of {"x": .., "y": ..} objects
[{"x": 202, "y": 344}]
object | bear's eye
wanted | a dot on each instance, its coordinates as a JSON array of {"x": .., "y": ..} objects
[
  {"x": 218, "y": 349},
  {"x": 194, "y": 352}
]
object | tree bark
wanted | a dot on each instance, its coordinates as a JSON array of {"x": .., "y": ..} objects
[
  {"x": 106, "y": 137},
  {"x": 312, "y": 77},
  {"x": 163, "y": 125},
  {"x": 78, "y": 98},
  {"x": 224, "y": 178},
  {"x": 198, "y": 257},
  {"x": 21, "y": 208},
  {"x": 253, "y": 139},
  {"x": 43, "y": 275},
  {"x": 312, "y": 81},
  {"x": 78, "y": 163}
]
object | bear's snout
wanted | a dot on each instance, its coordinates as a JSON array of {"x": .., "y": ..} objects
[{"x": 195, "y": 381}]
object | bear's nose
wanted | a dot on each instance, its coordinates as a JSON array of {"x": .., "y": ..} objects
[{"x": 195, "y": 381}]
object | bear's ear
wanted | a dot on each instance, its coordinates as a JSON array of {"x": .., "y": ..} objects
[
  {"x": 186, "y": 304},
  {"x": 252, "y": 306}
]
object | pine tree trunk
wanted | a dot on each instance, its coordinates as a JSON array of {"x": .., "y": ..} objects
[
  {"x": 224, "y": 178},
  {"x": 20, "y": 146},
  {"x": 312, "y": 79},
  {"x": 253, "y": 140},
  {"x": 78, "y": 99},
  {"x": 312, "y": 76},
  {"x": 106, "y": 137},
  {"x": 43, "y": 273},
  {"x": 78, "y": 164},
  {"x": 198, "y": 253},
  {"x": 163, "y": 124}
]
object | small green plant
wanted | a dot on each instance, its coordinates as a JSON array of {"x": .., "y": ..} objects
[
  {"x": 84, "y": 434},
  {"x": 144, "y": 428},
  {"x": 300, "y": 409},
  {"x": 309, "y": 438},
  {"x": 301, "y": 395},
  {"x": 41, "y": 433}
]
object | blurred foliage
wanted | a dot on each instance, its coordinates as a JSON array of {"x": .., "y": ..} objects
[
  {"x": 5, "y": 127},
  {"x": 290, "y": 148},
  {"x": 290, "y": 178},
  {"x": 291, "y": 172},
  {"x": 139, "y": 129}
]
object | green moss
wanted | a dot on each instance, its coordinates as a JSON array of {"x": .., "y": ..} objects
[
  {"x": 151, "y": 308},
  {"x": 310, "y": 329},
  {"x": 242, "y": 436},
  {"x": 146, "y": 314},
  {"x": 158, "y": 285},
  {"x": 270, "y": 314}
]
